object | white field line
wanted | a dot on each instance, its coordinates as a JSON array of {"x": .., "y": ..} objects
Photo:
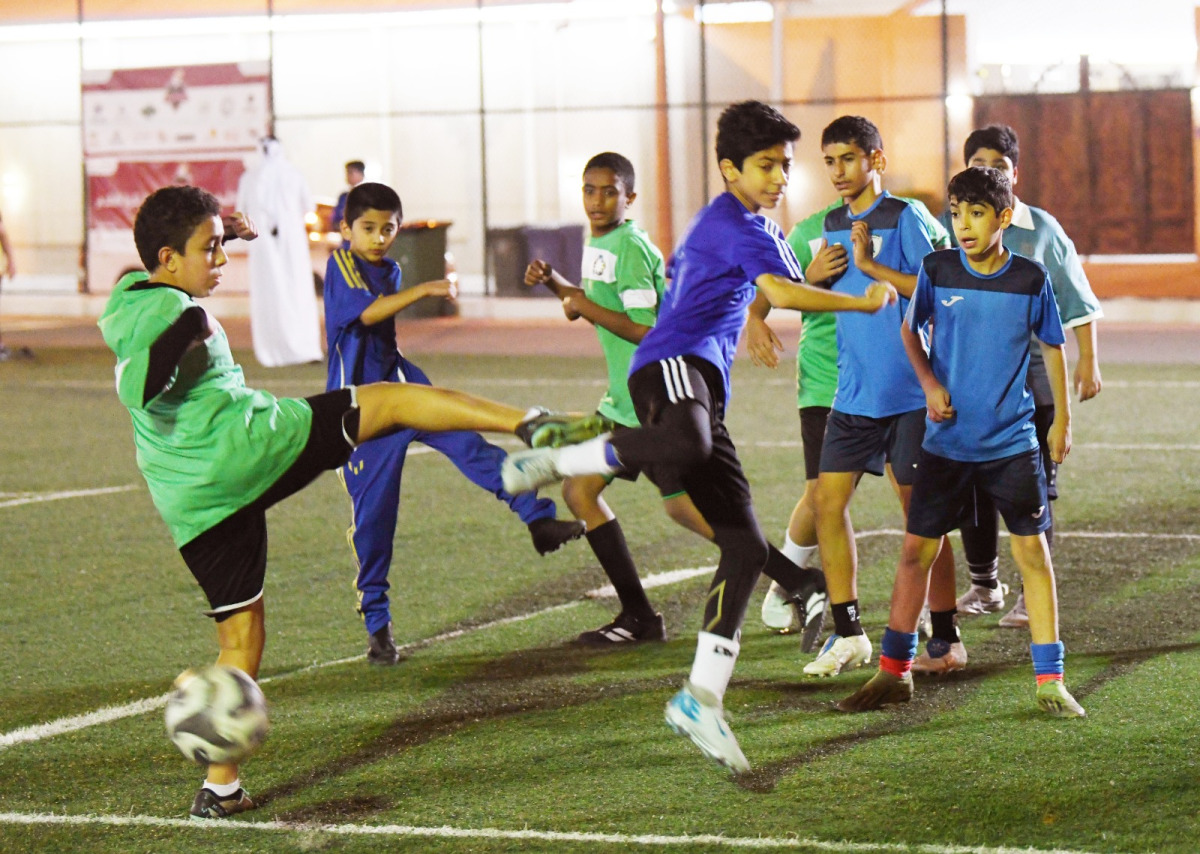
[
  {"x": 623, "y": 839},
  {"x": 1077, "y": 446},
  {"x": 37, "y": 732},
  {"x": 39, "y": 497}
]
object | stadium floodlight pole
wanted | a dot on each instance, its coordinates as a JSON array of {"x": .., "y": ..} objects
[
  {"x": 483, "y": 171},
  {"x": 662, "y": 136},
  {"x": 83, "y": 285},
  {"x": 945, "y": 92},
  {"x": 703, "y": 105},
  {"x": 270, "y": 68}
]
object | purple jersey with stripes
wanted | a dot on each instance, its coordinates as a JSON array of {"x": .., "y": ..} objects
[{"x": 712, "y": 275}]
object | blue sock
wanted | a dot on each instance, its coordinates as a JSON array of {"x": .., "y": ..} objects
[
  {"x": 897, "y": 652},
  {"x": 1047, "y": 658}
]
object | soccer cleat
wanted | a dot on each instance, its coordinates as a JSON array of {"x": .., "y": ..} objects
[
  {"x": 925, "y": 622},
  {"x": 550, "y": 534},
  {"x": 804, "y": 608},
  {"x": 981, "y": 600},
  {"x": 209, "y": 804},
  {"x": 526, "y": 471},
  {"x": 1018, "y": 617},
  {"x": 542, "y": 428},
  {"x": 704, "y": 723},
  {"x": 840, "y": 654},
  {"x": 881, "y": 689},
  {"x": 940, "y": 657},
  {"x": 625, "y": 630},
  {"x": 1053, "y": 697},
  {"x": 381, "y": 649},
  {"x": 778, "y": 611}
]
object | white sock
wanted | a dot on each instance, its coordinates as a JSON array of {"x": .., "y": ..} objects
[
  {"x": 800, "y": 555},
  {"x": 713, "y": 666},
  {"x": 223, "y": 790},
  {"x": 584, "y": 458}
]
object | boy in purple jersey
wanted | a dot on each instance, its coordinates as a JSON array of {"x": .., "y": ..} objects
[
  {"x": 679, "y": 381},
  {"x": 982, "y": 303}
]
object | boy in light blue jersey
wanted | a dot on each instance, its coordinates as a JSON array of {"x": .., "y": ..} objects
[
  {"x": 1035, "y": 234},
  {"x": 981, "y": 304},
  {"x": 679, "y": 381},
  {"x": 362, "y": 298},
  {"x": 877, "y": 417}
]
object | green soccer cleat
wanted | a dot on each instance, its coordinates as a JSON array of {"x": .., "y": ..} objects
[
  {"x": 553, "y": 430},
  {"x": 882, "y": 689},
  {"x": 1053, "y": 697}
]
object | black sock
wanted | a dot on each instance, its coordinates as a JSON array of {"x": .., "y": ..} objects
[
  {"x": 608, "y": 543},
  {"x": 985, "y": 575},
  {"x": 945, "y": 627},
  {"x": 845, "y": 619},
  {"x": 790, "y": 577}
]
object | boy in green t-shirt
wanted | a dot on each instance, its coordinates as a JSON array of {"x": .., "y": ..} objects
[
  {"x": 216, "y": 454},
  {"x": 622, "y": 285}
]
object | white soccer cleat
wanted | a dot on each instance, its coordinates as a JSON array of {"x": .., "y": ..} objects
[
  {"x": 704, "y": 724},
  {"x": 1017, "y": 618},
  {"x": 981, "y": 600},
  {"x": 839, "y": 655},
  {"x": 778, "y": 612},
  {"x": 525, "y": 471},
  {"x": 940, "y": 657}
]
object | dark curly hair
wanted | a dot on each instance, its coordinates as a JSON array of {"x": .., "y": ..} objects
[
  {"x": 981, "y": 185},
  {"x": 168, "y": 217},
  {"x": 750, "y": 126}
]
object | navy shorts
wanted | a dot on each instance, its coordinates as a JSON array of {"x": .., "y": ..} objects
[
  {"x": 229, "y": 560},
  {"x": 859, "y": 443},
  {"x": 812, "y": 437},
  {"x": 945, "y": 493}
]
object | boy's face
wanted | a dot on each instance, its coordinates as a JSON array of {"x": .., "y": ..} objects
[
  {"x": 850, "y": 168},
  {"x": 992, "y": 157},
  {"x": 372, "y": 234},
  {"x": 197, "y": 270},
  {"x": 762, "y": 177},
  {"x": 354, "y": 177},
  {"x": 978, "y": 227},
  {"x": 605, "y": 200}
]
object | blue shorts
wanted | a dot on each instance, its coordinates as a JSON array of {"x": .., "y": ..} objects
[
  {"x": 945, "y": 493},
  {"x": 859, "y": 443}
]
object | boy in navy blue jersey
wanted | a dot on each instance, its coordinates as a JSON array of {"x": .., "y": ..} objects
[
  {"x": 679, "y": 381},
  {"x": 362, "y": 297},
  {"x": 878, "y": 416},
  {"x": 982, "y": 303}
]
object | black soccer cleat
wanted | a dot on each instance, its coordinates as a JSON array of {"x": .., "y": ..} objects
[
  {"x": 209, "y": 804},
  {"x": 381, "y": 648},
  {"x": 550, "y": 534},
  {"x": 811, "y": 602},
  {"x": 626, "y": 630}
]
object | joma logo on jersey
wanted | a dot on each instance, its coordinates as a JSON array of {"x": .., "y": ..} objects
[{"x": 952, "y": 300}]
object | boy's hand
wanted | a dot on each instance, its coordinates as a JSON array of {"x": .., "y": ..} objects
[
  {"x": 937, "y": 404},
  {"x": 1087, "y": 379},
  {"x": 1059, "y": 439},
  {"x": 439, "y": 288},
  {"x": 860, "y": 236},
  {"x": 827, "y": 264},
  {"x": 239, "y": 225},
  {"x": 572, "y": 297},
  {"x": 878, "y": 295},
  {"x": 537, "y": 273},
  {"x": 762, "y": 343}
]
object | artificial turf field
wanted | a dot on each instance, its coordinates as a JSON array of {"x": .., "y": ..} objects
[{"x": 495, "y": 735}]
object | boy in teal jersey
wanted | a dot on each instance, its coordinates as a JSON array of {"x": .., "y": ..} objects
[
  {"x": 816, "y": 383},
  {"x": 981, "y": 305},
  {"x": 1035, "y": 234},
  {"x": 621, "y": 288},
  {"x": 216, "y": 454}
]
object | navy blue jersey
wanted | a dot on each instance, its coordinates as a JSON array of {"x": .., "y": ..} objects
[
  {"x": 875, "y": 378},
  {"x": 979, "y": 350},
  {"x": 359, "y": 353},
  {"x": 712, "y": 277}
]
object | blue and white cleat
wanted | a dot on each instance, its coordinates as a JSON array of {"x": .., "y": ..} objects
[
  {"x": 839, "y": 655},
  {"x": 704, "y": 723},
  {"x": 525, "y": 471}
]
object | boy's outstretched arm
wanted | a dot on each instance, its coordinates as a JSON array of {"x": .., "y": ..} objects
[
  {"x": 1059, "y": 437},
  {"x": 392, "y": 304},
  {"x": 762, "y": 343},
  {"x": 785, "y": 293},
  {"x": 937, "y": 398}
]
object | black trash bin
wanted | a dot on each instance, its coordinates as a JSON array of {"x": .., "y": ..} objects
[
  {"x": 511, "y": 250},
  {"x": 420, "y": 250}
]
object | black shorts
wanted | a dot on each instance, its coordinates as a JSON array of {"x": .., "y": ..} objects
[
  {"x": 859, "y": 443},
  {"x": 945, "y": 492},
  {"x": 670, "y": 487},
  {"x": 812, "y": 437},
  {"x": 229, "y": 560},
  {"x": 718, "y": 487}
]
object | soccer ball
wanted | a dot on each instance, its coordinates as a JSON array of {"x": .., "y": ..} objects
[{"x": 216, "y": 714}]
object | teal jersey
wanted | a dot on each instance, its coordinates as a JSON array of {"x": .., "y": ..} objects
[
  {"x": 816, "y": 354},
  {"x": 622, "y": 271},
  {"x": 206, "y": 445}
]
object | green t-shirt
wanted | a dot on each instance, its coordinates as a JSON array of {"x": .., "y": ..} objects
[
  {"x": 207, "y": 445},
  {"x": 816, "y": 354},
  {"x": 622, "y": 271}
]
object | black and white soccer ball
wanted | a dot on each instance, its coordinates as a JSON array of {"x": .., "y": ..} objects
[{"x": 216, "y": 714}]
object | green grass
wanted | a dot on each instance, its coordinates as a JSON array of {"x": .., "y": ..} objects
[{"x": 505, "y": 727}]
